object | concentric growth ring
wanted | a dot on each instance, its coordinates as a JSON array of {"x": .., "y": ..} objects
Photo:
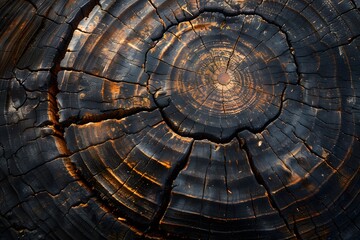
[
  {"x": 217, "y": 74},
  {"x": 179, "y": 119}
]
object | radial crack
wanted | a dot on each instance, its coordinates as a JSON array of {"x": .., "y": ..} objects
[
  {"x": 260, "y": 180},
  {"x": 157, "y": 13},
  {"x": 153, "y": 227}
]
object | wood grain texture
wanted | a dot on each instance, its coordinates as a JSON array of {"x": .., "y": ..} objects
[{"x": 187, "y": 119}]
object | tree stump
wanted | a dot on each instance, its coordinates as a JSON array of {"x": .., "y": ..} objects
[{"x": 186, "y": 119}]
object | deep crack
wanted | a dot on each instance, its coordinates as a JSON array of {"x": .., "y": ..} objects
[
  {"x": 153, "y": 228},
  {"x": 261, "y": 181}
]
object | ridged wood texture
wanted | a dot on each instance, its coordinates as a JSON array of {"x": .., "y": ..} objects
[{"x": 179, "y": 119}]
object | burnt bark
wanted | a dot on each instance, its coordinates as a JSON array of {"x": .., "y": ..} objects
[{"x": 183, "y": 119}]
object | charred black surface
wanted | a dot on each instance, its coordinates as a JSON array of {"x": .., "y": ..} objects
[{"x": 181, "y": 119}]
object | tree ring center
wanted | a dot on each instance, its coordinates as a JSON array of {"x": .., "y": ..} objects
[{"x": 224, "y": 78}]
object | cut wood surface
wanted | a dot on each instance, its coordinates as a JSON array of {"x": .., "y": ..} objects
[{"x": 179, "y": 119}]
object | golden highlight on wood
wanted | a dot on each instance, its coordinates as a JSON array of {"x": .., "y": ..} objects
[{"x": 179, "y": 119}]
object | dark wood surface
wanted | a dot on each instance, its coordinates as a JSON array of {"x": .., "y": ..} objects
[{"x": 185, "y": 119}]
